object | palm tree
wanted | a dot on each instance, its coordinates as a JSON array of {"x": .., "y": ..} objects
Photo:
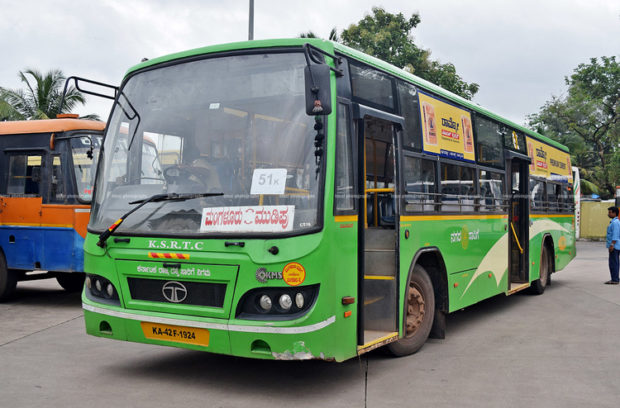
[
  {"x": 333, "y": 35},
  {"x": 41, "y": 98}
]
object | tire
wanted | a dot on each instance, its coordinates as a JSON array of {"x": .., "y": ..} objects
[
  {"x": 539, "y": 285},
  {"x": 71, "y": 282},
  {"x": 8, "y": 280},
  {"x": 419, "y": 312}
]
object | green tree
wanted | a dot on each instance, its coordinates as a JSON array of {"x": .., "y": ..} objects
[
  {"x": 388, "y": 37},
  {"x": 41, "y": 98},
  {"x": 587, "y": 120}
]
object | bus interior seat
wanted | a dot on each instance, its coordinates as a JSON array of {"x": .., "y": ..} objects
[
  {"x": 386, "y": 211},
  {"x": 386, "y": 216}
]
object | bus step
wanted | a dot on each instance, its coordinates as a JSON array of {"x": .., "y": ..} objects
[{"x": 517, "y": 287}]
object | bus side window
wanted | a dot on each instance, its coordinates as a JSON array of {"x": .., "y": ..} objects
[
  {"x": 344, "y": 198},
  {"x": 537, "y": 195},
  {"x": 420, "y": 186},
  {"x": 57, "y": 187},
  {"x": 457, "y": 188},
  {"x": 24, "y": 176},
  {"x": 552, "y": 198},
  {"x": 566, "y": 199},
  {"x": 410, "y": 111},
  {"x": 491, "y": 190}
]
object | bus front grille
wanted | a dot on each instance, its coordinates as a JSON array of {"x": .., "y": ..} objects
[{"x": 178, "y": 292}]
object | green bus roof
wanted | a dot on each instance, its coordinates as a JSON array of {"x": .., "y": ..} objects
[{"x": 332, "y": 47}]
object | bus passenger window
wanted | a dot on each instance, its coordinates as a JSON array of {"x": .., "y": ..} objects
[
  {"x": 420, "y": 187},
  {"x": 552, "y": 198},
  {"x": 537, "y": 194},
  {"x": 490, "y": 143},
  {"x": 457, "y": 188},
  {"x": 57, "y": 187},
  {"x": 410, "y": 111},
  {"x": 491, "y": 191},
  {"x": 566, "y": 200},
  {"x": 24, "y": 175}
]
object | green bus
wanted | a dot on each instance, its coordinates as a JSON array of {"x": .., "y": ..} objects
[{"x": 297, "y": 199}]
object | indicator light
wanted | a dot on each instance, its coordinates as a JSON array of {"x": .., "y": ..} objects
[
  {"x": 299, "y": 300},
  {"x": 110, "y": 290}
]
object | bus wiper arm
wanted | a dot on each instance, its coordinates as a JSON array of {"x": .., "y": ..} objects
[{"x": 103, "y": 237}]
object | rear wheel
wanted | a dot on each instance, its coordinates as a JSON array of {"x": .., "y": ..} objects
[
  {"x": 419, "y": 311},
  {"x": 71, "y": 282},
  {"x": 539, "y": 285},
  {"x": 8, "y": 279}
]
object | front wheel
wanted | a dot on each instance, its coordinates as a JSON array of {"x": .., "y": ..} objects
[
  {"x": 71, "y": 282},
  {"x": 8, "y": 279},
  {"x": 419, "y": 312}
]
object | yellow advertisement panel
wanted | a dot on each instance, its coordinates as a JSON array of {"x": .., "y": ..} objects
[
  {"x": 548, "y": 161},
  {"x": 446, "y": 129}
]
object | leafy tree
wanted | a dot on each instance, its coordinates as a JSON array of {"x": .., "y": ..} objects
[
  {"x": 41, "y": 98},
  {"x": 388, "y": 37},
  {"x": 587, "y": 120}
]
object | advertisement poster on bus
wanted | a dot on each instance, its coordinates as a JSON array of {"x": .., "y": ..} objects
[
  {"x": 548, "y": 161},
  {"x": 446, "y": 129}
]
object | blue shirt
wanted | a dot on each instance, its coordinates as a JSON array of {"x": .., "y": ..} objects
[{"x": 613, "y": 233}]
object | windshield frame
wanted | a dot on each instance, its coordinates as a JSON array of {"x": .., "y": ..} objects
[{"x": 221, "y": 235}]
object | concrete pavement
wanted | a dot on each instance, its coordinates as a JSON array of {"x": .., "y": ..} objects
[{"x": 555, "y": 350}]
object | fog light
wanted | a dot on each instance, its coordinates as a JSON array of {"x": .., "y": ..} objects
[
  {"x": 285, "y": 302},
  {"x": 98, "y": 285},
  {"x": 299, "y": 300},
  {"x": 265, "y": 303},
  {"x": 110, "y": 290},
  {"x": 89, "y": 283}
]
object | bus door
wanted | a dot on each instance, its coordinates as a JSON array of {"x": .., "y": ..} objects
[
  {"x": 518, "y": 223},
  {"x": 378, "y": 234}
]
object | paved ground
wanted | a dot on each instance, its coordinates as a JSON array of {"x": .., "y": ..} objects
[{"x": 555, "y": 350}]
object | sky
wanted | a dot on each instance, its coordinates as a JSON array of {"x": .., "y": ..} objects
[{"x": 518, "y": 51}]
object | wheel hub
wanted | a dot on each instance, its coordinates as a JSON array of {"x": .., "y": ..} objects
[{"x": 416, "y": 308}]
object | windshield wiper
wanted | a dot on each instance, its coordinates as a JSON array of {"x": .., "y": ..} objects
[{"x": 103, "y": 237}]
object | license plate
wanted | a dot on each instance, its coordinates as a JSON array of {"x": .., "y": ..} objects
[{"x": 179, "y": 334}]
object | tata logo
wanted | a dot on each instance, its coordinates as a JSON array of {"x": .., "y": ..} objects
[{"x": 174, "y": 292}]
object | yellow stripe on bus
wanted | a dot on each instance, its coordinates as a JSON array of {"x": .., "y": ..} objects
[
  {"x": 27, "y": 224},
  {"x": 345, "y": 218},
  {"x": 452, "y": 217},
  {"x": 379, "y": 340},
  {"x": 375, "y": 277}
]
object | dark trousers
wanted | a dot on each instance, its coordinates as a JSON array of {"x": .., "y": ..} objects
[{"x": 614, "y": 264}]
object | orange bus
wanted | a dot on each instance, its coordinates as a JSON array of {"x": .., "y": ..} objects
[{"x": 46, "y": 179}]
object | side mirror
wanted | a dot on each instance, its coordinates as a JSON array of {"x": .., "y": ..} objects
[{"x": 318, "y": 90}]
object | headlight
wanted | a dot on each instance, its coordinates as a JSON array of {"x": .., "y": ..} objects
[
  {"x": 285, "y": 302},
  {"x": 265, "y": 303},
  {"x": 277, "y": 303},
  {"x": 99, "y": 289}
]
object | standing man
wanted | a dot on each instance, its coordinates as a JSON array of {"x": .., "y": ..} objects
[{"x": 613, "y": 245}]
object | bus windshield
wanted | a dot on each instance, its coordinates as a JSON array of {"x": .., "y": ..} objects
[
  {"x": 234, "y": 125},
  {"x": 85, "y": 163}
]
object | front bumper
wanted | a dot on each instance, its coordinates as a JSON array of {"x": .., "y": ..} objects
[{"x": 266, "y": 340}]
